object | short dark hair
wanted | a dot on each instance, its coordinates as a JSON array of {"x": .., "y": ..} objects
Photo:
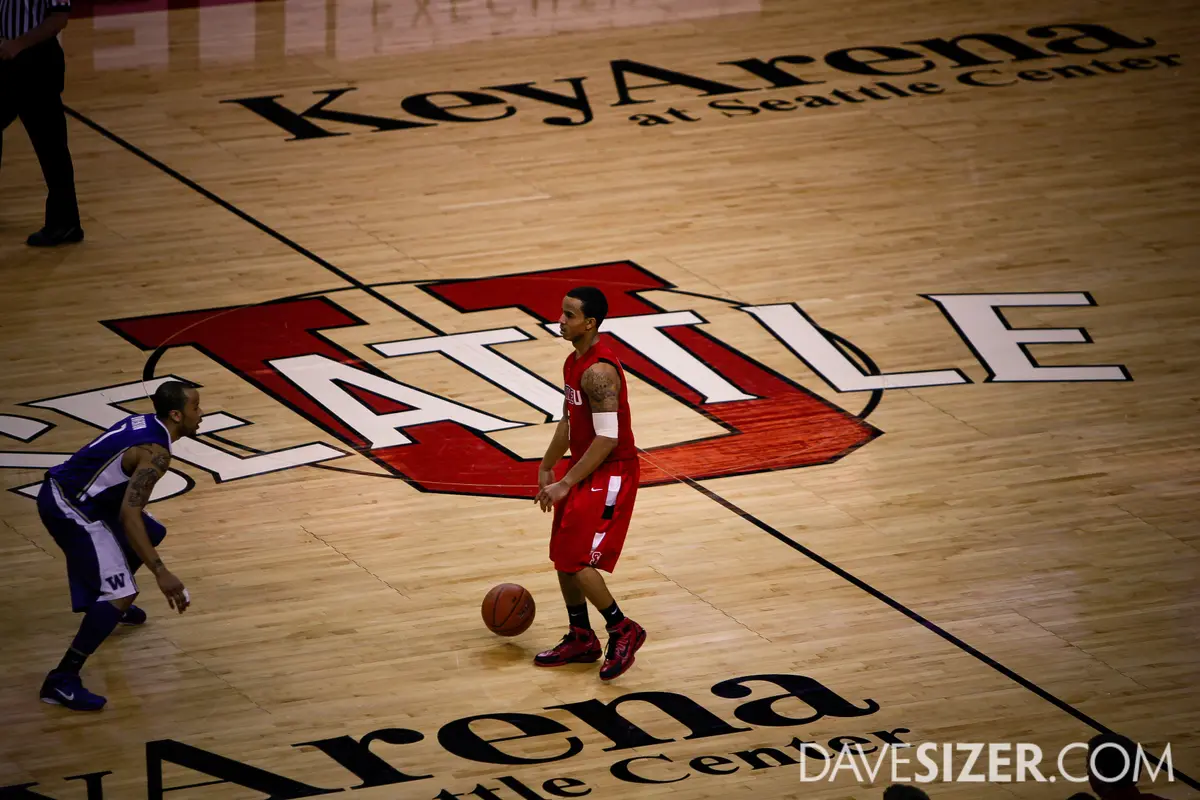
[
  {"x": 1109, "y": 766},
  {"x": 902, "y": 791},
  {"x": 593, "y": 301},
  {"x": 170, "y": 396}
]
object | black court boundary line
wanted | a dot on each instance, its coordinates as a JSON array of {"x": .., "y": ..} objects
[
  {"x": 279, "y": 237},
  {"x": 210, "y": 196},
  {"x": 728, "y": 505},
  {"x": 915, "y": 617}
]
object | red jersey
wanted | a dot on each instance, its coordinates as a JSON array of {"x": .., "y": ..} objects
[{"x": 579, "y": 410}]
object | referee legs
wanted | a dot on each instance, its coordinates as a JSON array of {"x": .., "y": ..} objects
[{"x": 31, "y": 88}]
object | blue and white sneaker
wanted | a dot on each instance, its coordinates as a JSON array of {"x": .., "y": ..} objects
[
  {"x": 66, "y": 689},
  {"x": 133, "y": 616}
]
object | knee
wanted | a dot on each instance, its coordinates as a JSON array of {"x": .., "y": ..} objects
[{"x": 123, "y": 603}]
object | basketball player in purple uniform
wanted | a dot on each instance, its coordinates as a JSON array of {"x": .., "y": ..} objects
[{"x": 93, "y": 505}]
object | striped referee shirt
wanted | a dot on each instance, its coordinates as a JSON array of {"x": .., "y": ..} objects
[{"x": 19, "y": 17}]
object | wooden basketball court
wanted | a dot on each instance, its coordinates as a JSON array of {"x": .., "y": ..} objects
[{"x": 909, "y": 300}]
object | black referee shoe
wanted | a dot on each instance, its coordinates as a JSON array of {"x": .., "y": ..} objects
[{"x": 53, "y": 237}]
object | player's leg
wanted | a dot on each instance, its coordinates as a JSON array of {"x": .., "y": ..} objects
[
  {"x": 102, "y": 588},
  {"x": 156, "y": 532},
  {"x": 625, "y": 636},
  {"x": 588, "y": 536},
  {"x": 575, "y": 599},
  {"x": 572, "y": 591},
  {"x": 580, "y": 645},
  {"x": 591, "y": 582}
]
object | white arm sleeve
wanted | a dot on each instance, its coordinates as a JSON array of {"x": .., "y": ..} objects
[{"x": 605, "y": 423}]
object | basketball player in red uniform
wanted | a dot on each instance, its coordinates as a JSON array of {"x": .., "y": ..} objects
[{"x": 593, "y": 502}]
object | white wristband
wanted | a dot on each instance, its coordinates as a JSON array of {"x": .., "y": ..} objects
[{"x": 605, "y": 423}]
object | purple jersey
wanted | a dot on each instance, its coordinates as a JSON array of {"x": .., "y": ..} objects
[{"x": 92, "y": 480}]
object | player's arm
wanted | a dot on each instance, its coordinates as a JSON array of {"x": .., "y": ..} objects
[
  {"x": 555, "y": 450},
  {"x": 602, "y": 385},
  {"x": 150, "y": 464}
]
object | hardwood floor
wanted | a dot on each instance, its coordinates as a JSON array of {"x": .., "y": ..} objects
[{"x": 906, "y": 294}]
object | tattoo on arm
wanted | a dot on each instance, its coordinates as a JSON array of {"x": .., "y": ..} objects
[
  {"x": 603, "y": 387},
  {"x": 140, "y": 487},
  {"x": 142, "y": 483},
  {"x": 146, "y": 474}
]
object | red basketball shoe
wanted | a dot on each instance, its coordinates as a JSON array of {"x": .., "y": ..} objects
[
  {"x": 623, "y": 641},
  {"x": 579, "y": 646}
]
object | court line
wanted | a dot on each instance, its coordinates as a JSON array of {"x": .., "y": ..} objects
[
  {"x": 232, "y": 209},
  {"x": 915, "y": 617},
  {"x": 727, "y": 504}
]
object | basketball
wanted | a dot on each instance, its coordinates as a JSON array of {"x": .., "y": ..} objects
[{"x": 508, "y": 609}]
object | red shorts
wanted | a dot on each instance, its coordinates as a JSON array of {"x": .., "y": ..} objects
[{"x": 591, "y": 521}]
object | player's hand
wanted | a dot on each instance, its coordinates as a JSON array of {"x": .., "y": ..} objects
[
  {"x": 172, "y": 587},
  {"x": 550, "y": 495},
  {"x": 545, "y": 477}
]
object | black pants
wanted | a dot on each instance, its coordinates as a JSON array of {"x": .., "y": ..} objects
[{"x": 31, "y": 88}]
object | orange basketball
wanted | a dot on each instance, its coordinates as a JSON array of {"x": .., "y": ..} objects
[{"x": 508, "y": 609}]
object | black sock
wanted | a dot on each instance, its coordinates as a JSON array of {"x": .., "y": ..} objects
[
  {"x": 98, "y": 623},
  {"x": 579, "y": 616},
  {"x": 72, "y": 662},
  {"x": 612, "y": 615}
]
